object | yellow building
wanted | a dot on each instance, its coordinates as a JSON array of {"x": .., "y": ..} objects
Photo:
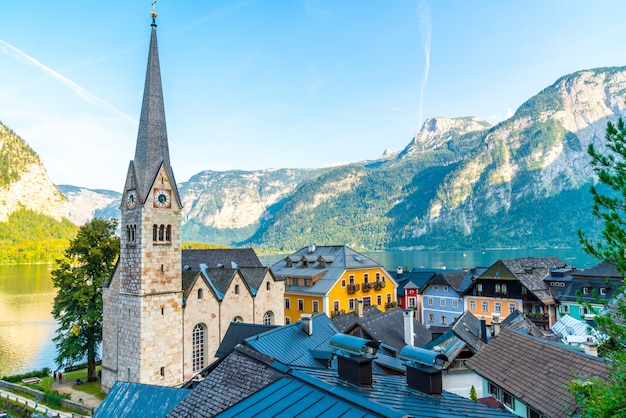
[{"x": 332, "y": 279}]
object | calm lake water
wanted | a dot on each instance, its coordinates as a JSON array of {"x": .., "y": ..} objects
[{"x": 26, "y": 295}]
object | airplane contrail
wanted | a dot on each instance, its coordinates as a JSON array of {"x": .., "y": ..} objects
[
  {"x": 81, "y": 92},
  {"x": 425, "y": 26}
]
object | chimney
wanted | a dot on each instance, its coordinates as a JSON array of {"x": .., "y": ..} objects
[
  {"x": 591, "y": 347},
  {"x": 354, "y": 358},
  {"x": 311, "y": 248},
  {"x": 307, "y": 323},
  {"x": 359, "y": 307},
  {"x": 399, "y": 271},
  {"x": 409, "y": 332},
  {"x": 496, "y": 324},
  {"x": 424, "y": 369},
  {"x": 483, "y": 330}
]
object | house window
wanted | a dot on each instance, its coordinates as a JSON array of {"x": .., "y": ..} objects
[
  {"x": 161, "y": 232},
  {"x": 603, "y": 291},
  {"x": 436, "y": 287},
  {"x": 497, "y": 287},
  {"x": 507, "y": 399},
  {"x": 511, "y": 307},
  {"x": 565, "y": 308},
  {"x": 351, "y": 304},
  {"x": 197, "y": 349},
  {"x": 301, "y": 305},
  {"x": 236, "y": 289},
  {"x": 445, "y": 288},
  {"x": 377, "y": 277},
  {"x": 442, "y": 302},
  {"x": 336, "y": 306},
  {"x": 472, "y": 305},
  {"x": 168, "y": 233},
  {"x": 388, "y": 297},
  {"x": 162, "y": 371},
  {"x": 479, "y": 287},
  {"x": 307, "y": 282},
  {"x": 485, "y": 307},
  {"x": 268, "y": 318},
  {"x": 494, "y": 391},
  {"x": 455, "y": 303},
  {"x": 351, "y": 278},
  {"x": 316, "y": 306},
  {"x": 585, "y": 290},
  {"x": 430, "y": 301},
  {"x": 200, "y": 295},
  {"x": 267, "y": 286},
  {"x": 524, "y": 290},
  {"x": 412, "y": 303},
  {"x": 367, "y": 301},
  {"x": 155, "y": 232},
  {"x": 503, "y": 288},
  {"x": 287, "y": 303},
  {"x": 443, "y": 320},
  {"x": 431, "y": 318},
  {"x": 287, "y": 320},
  {"x": 343, "y": 283},
  {"x": 379, "y": 300},
  {"x": 498, "y": 307}
]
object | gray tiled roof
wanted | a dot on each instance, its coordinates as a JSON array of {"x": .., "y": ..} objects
[
  {"x": 516, "y": 320},
  {"x": 601, "y": 271},
  {"x": 236, "y": 377},
  {"x": 467, "y": 328},
  {"x": 535, "y": 371},
  {"x": 243, "y": 257},
  {"x": 387, "y": 327}
]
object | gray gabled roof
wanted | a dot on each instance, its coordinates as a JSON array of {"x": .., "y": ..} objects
[
  {"x": 323, "y": 264},
  {"x": 534, "y": 370},
  {"x": 236, "y": 333},
  {"x": 242, "y": 257},
  {"x": 152, "y": 149}
]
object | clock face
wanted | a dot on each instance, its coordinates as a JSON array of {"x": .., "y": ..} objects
[
  {"x": 131, "y": 199},
  {"x": 162, "y": 198}
]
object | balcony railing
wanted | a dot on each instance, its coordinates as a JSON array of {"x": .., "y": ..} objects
[
  {"x": 367, "y": 287},
  {"x": 353, "y": 287}
]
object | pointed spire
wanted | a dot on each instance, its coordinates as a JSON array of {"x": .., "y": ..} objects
[{"x": 152, "y": 146}]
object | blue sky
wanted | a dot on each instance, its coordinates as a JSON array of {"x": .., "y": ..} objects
[{"x": 258, "y": 84}]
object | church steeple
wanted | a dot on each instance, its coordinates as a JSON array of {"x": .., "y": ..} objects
[{"x": 152, "y": 146}]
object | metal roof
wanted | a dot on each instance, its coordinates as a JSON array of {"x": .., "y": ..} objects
[{"x": 126, "y": 399}]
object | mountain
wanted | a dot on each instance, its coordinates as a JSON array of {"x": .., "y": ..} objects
[
  {"x": 460, "y": 183},
  {"x": 33, "y": 213}
]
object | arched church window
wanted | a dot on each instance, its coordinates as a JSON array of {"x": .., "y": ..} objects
[
  {"x": 198, "y": 347},
  {"x": 161, "y": 232},
  {"x": 155, "y": 229},
  {"x": 236, "y": 289},
  {"x": 168, "y": 233},
  {"x": 128, "y": 233},
  {"x": 200, "y": 295},
  {"x": 268, "y": 318}
]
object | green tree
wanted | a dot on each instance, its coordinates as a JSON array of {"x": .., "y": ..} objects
[
  {"x": 596, "y": 397},
  {"x": 473, "y": 394},
  {"x": 87, "y": 264}
]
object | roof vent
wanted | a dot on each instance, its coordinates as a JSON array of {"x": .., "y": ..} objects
[
  {"x": 311, "y": 248},
  {"x": 233, "y": 265},
  {"x": 354, "y": 358},
  {"x": 220, "y": 266},
  {"x": 399, "y": 271},
  {"x": 423, "y": 369}
]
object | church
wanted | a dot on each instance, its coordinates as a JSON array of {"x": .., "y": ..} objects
[{"x": 166, "y": 310}]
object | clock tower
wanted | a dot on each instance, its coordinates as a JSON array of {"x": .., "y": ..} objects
[{"x": 142, "y": 303}]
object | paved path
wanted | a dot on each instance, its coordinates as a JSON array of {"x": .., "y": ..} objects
[
  {"x": 87, "y": 399},
  {"x": 25, "y": 401}
]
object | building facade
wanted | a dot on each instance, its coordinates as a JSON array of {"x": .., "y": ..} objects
[{"x": 332, "y": 279}]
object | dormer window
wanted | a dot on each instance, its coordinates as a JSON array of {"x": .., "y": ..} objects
[
  {"x": 503, "y": 288},
  {"x": 585, "y": 290},
  {"x": 497, "y": 287},
  {"x": 479, "y": 287},
  {"x": 603, "y": 291}
]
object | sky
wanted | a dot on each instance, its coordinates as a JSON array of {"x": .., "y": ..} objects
[{"x": 259, "y": 84}]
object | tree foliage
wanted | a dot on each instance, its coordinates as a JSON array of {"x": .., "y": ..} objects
[
  {"x": 87, "y": 264},
  {"x": 596, "y": 397}
]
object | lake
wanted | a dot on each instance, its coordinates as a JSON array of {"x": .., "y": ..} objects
[{"x": 26, "y": 296}]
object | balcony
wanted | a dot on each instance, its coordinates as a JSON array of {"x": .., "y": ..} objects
[
  {"x": 379, "y": 285},
  {"x": 390, "y": 305},
  {"x": 367, "y": 286},
  {"x": 353, "y": 287}
]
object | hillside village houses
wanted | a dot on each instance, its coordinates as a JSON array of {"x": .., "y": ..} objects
[{"x": 167, "y": 310}]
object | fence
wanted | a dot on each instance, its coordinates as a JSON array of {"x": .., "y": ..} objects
[{"x": 65, "y": 403}]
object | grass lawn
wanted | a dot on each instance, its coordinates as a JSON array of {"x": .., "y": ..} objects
[{"x": 92, "y": 388}]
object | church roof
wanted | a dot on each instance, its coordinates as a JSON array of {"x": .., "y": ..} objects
[
  {"x": 152, "y": 149},
  {"x": 242, "y": 257}
]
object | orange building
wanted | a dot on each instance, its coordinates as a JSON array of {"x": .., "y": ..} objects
[{"x": 331, "y": 279}]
